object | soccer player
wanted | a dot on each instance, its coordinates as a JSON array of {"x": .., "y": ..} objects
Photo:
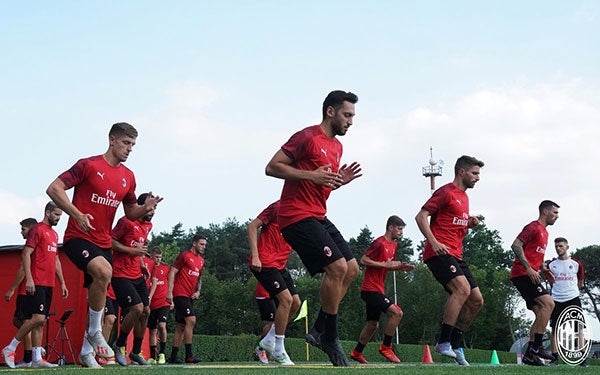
[
  {"x": 266, "y": 309},
  {"x": 309, "y": 162},
  {"x": 566, "y": 276},
  {"x": 18, "y": 284},
  {"x": 529, "y": 248},
  {"x": 40, "y": 263},
  {"x": 159, "y": 307},
  {"x": 448, "y": 208},
  {"x": 268, "y": 258},
  {"x": 101, "y": 183},
  {"x": 378, "y": 259},
  {"x": 185, "y": 283},
  {"x": 129, "y": 248}
]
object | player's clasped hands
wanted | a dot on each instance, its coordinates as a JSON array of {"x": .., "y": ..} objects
[{"x": 324, "y": 176}]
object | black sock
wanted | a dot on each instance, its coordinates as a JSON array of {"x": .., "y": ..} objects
[
  {"x": 538, "y": 340},
  {"x": 161, "y": 347},
  {"x": 555, "y": 355},
  {"x": 174, "y": 351},
  {"x": 320, "y": 322},
  {"x": 331, "y": 331},
  {"x": 188, "y": 351},
  {"x": 137, "y": 345},
  {"x": 27, "y": 356},
  {"x": 456, "y": 338},
  {"x": 446, "y": 332},
  {"x": 153, "y": 351},
  {"x": 529, "y": 345},
  {"x": 387, "y": 340},
  {"x": 359, "y": 347},
  {"x": 122, "y": 339}
]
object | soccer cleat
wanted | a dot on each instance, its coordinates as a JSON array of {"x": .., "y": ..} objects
[
  {"x": 335, "y": 352},
  {"x": 161, "y": 359},
  {"x": 100, "y": 346},
  {"x": 267, "y": 345},
  {"x": 553, "y": 362},
  {"x": 531, "y": 359},
  {"x": 283, "y": 359},
  {"x": 23, "y": 364},
  {"x": 152, "y": 361},
  {"x": 262, "y": 356},
  {"x": 42, "y": 364},
  {"x": 444, "y": 348},
  {"x": 193, "y": 359},
  {"x": 358, "y": 357},
  {"x": 388, "y": 353},
  {"x": 313, "y": 337},
  {"x": 176, "y": 361},
  {"x": 9, "y": 357},
  {"x": 88, "y": 360},
  {"x": 460, "y": 357},
  {"x": 541, "y": 352},
  {"x": 138, "y": 358},
  {"x": 120, "y": 354}
]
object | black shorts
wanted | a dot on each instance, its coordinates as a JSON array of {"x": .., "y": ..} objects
[
  {"x": 276, "y": 281},
  {"x": 184, "y": 307},
  {"x": 159, "y": 315},
  {"x": 446, "y": 267},
  {"x": 111, "y": 307},
  {"x": 377, "y": 303},
  {"x": 266, "y": 308},
  {"x": 130, "y": 292},
  {"x": 20, "y": 312},
  {"x": 529, "y": 291},
  {"x": 39, "y": 302},
  {"x": 81, "y": 252},
  {"x": 559, "y": 307},
  {"x": 317, "y": 242}
]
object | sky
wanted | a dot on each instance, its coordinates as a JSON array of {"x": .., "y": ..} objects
[{"x": 215, "y": 88}]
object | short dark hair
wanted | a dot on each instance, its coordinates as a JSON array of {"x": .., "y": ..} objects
[
  {"x": 28, "y": 223},
  {"x": 394, "y": 221},
  {"x": 561, "y": 239},
  {"x": 50, "y": 206},
  {"x": 336, "y": 99},
  {"x": 466, "y": 162},
  {"x": 197, "y": 237},
  {"x": 156, "y": 250},
  {"x": 122, "y": 128},
  {"x": 142, "y": 199},
  {"x": 546, "y": 205}
]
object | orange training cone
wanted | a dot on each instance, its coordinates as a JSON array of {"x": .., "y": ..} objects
[{"x": 427, "y": 360}]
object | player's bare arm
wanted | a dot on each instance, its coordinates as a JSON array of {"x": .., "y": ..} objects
[
  {"x": 57, "y": 192},
  {"x": 135, "y": 212},
  {"x": 29, "y": 284},
  {"x": 348, "y": 173},
  {"x": 61, "y": 279},
  {"x": 517, "y": 248},
  {"x": 139, "y": 251},
  {"x": 422, "y": 220},
  {"x": 171, "y": 278},
  {"x": 20, "y": 275},
  {"x": 280, "y": 167},
  {"x": 252, "y": 231},
  {"x": 196, "y": 293}
]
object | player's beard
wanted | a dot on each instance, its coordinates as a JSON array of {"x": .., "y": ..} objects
[{"x": 338, "y": 127}]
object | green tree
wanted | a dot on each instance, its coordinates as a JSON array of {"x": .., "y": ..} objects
[
  {"x": 361, "y": 243},
  {"x": 589, "y": 256}
]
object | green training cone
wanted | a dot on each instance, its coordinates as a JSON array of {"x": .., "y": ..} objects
[{"x": 495, "y": 360}]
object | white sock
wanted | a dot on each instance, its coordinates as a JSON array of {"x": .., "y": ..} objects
[
  {"x": 86, "y": 347},
  {"x": 95, "y": 321},
  {"x": 271, "y": 334},
  {"x": 279, "y": 348},
  {"x": 36, "y": 354},
  {"x": 13, "y": 345}
]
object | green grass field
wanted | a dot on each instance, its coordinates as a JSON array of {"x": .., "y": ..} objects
[{"x": 252, "y": 368}]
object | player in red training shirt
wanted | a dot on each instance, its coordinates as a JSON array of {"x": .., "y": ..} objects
[
  {"x": 529, "y": 248},
  {"x": 449, "y": 211},
  {"x": 185, "y": 283},
  {"x": 101, "y": 183},
  {"x": 40, "y": 263},
  {"x": 129, "y": 248},
  {"x": 310, "y": 165},
  {"x": 159, "y": 306},
  {"x": 268, "y": 258},
  {"x": 266, "y": 310},
  {"x": 379, "y": 258},
  {"x": 18, "y": 285}
]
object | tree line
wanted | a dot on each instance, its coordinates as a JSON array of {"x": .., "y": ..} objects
[{"x": 227, "y": 302}]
